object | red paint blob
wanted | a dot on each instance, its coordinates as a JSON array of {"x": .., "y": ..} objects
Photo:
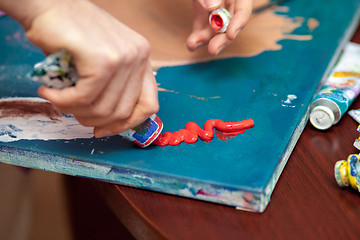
[
  {"x": 191, "y": 132},
  {"x": 217, "y": 22}
]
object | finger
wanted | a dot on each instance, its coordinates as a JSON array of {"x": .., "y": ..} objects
[
  {"x": 199, "y": 38},
  {"x": 87, "y": 89},
  {"x": 146, "y": 106},
  {"x": 115, "y": 106},
  {"x": 123, "y": 91},
  {"x": 242, "y": 12},
  {"x": 201, "y": 31},
  {"x": 140, "y": 70},
  {"x": 210, "y": 5},
  {"x": 201, "y": 16},
  {"x": 102, "y": 107},
  {"x": 218, "y": 43}
]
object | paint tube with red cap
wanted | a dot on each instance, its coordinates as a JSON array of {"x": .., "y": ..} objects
[{"x": 219, "y": 20}]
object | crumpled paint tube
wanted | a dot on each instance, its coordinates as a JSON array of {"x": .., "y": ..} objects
[{"x": 347, "y": 172}]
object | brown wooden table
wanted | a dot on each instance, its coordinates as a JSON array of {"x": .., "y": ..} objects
[{"x": 306, "y": 202}]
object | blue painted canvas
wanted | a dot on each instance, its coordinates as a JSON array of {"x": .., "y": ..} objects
[{"x": 274, "y": 88}]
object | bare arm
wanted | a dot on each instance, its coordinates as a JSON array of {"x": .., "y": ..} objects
[{"x": 116, "y": 90}]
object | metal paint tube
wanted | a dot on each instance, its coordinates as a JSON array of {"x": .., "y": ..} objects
[
  {"x": 347, "y": 172},
  {"x": 339, "y": 90},
  {"x": 219, "y": 20},
  {"x": 58, "y": 71}
]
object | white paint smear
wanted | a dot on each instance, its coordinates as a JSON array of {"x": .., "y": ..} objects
[
  {"x": 40, "y": 127},
  {"x": 289, "y": 101},
  {"x": 290, "y": 98}
]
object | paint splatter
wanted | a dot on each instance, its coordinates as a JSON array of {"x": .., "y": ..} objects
[
  {"x": 312, "y": 23},
  {"x": 204, "y": 98},
  {"x": 19, "y": 38},
  {"x": 191, "y": 96},
  {"x": 164, "y": 90},
  {"x": 289, "y": 101},
  {"x": 192, "y": 132}
]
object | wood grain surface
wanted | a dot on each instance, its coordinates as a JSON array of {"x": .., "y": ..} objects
[{"x": 306, "y": 203}]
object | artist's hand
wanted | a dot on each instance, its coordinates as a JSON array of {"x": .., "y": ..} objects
[
  {"x": 202, "y": 33},
  {"x": 117, "y": 89}
]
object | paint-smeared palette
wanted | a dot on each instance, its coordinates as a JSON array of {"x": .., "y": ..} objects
[{"x": 274, "y": 88}]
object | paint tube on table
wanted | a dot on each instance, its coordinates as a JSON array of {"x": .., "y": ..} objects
[
  {"x": 347, "y": 172},
  {"x": 58, "y": 71},
  {"x": 338, "y": 91}
]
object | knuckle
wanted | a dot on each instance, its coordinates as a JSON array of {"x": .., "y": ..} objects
[
  {"x": 151, "y": 108},
  {"x": 109, "y": 61},
  {"x": 101, "y": 112},
  {"x": 112, "y": 58},
  {"x": 130, "y": 55},
  {"x": 139, "y": 51},
  {"x": 105, "y": 60},
  {"x": 123, "y": 114},
  {"x": 144, "y": 49}
]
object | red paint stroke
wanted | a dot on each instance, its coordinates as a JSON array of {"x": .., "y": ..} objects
[{"x": 191, "y": 132}]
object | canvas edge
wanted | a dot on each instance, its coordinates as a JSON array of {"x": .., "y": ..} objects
[
  {"x": 301, "y": 126},
  {"x": 241, "y": 199}
]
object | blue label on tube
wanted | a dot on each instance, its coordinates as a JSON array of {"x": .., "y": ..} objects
[{"x": 338, "y": 96}]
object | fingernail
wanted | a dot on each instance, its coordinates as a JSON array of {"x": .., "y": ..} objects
[
  {"x": 197, "y": 45},
  {"x": 219, "y": 50},
  {"x": 237, "y": 33},
  {"x": 194, "y": 46},
  {"x": 211, "y": 3}
]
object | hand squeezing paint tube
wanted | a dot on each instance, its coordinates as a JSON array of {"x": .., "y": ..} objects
[
  {"x": 58, "y": 71},
  {"x": 339, "y": 90}
]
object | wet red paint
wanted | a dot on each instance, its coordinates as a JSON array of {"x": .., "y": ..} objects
[
  {"x": 217, "y": 22},
  {"x": 191, "y": 132}
]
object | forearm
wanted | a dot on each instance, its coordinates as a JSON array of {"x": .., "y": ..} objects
[{"x": 25, "y": 10}]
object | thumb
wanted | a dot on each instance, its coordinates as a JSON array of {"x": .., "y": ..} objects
[{"x": 210, "y": 5}]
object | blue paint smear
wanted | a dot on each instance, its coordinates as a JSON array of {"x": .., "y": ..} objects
[{"x": 244, "y": 88}]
